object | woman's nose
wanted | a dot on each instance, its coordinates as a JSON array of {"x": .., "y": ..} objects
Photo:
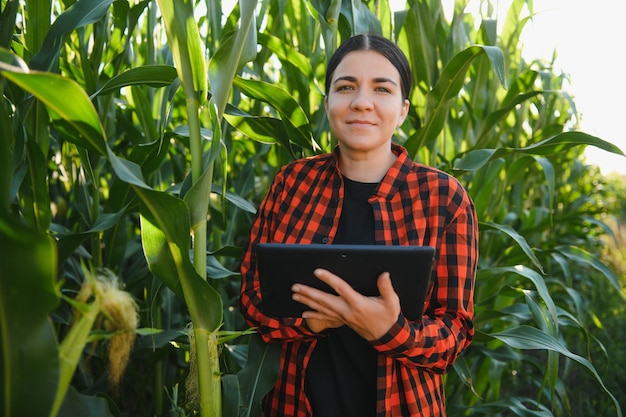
[{"x": 361, "y": 100}]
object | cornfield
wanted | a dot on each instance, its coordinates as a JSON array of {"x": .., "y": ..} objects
[{"x": 138, "y": 137}]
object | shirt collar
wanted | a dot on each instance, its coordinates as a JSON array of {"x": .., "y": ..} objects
[{"x": 396, "y": 175}]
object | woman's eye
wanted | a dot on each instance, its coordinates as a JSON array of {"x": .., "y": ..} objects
[
  {"x": 345, "y": 88},
  {"x": 383, "y": 90}
]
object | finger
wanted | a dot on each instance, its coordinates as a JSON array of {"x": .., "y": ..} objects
[
  {"x": 319, "y": 325},
  {"x": 341, "y": 287},
  {"x": 388, "y": 294},
  {"x": 314, "y": 299},
  {"x": 385, "y": 287},
  {"x": 310, "y": 292},
  {"x": 316, "y": 315}
]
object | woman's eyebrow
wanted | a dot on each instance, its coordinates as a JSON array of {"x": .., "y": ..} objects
[
  {"x": 345, "y": 78},
  {"x": 384, "y": 80},
  {"x": 351, "y": 78}
]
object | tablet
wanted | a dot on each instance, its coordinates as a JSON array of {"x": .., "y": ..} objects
[{"x": 280, "y": 265}]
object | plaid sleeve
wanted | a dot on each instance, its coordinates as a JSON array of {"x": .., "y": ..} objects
[
  {"x": 266, "y": 220},
  {"x": 447, "y": 326}
]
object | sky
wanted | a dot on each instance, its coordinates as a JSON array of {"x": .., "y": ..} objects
[{"x": 588, "y": 38}]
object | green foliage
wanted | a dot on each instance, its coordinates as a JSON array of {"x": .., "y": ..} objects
[
  {"x": 28, "y": 345},
  {"x": 140, "y": 136}
]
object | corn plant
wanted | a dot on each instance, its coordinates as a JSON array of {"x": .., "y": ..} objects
[{"x": 137, "y": 137}]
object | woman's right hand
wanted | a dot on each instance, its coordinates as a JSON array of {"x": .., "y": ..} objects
[{"x": 370, "y": 317}]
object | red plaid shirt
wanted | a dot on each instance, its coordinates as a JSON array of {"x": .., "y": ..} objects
[{"x": 413, "y": 205}]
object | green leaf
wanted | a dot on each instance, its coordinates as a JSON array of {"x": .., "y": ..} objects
[
  {"x": 7, "y": 140},
  {"x": 328, "y": 12},
  {"x": 519, "y": 239},
  {"x": 236, "y": 200},
  {"x": 548, "y": 171},
  {"x": 474, "y": 160},
  {"x": 492, "y": 118},
  {"x": 226, "y": 336},
  {"x": 73, "y": 345},
  {"x": 156, "y": 247},
  {"x": 197, "y": 198},
  {"x": 76, "y": 404},
  {"x": 11, "y": 62},
  {"x": 230, "y": 395},
  {"x": 420, "y": 41},
  {"x": 360, "y": 18},
  {"x": 152, "y": 75},
  {"x": 561, "y": 142},
  {"x": 582, "y": 256},
  {"x": 293, "y": 116},
  {"x": 230, "y": 56},
  {"x": 66, "y": 245},
  {"x": 461, "y": 368},
  {"x": 287, "y": 53},
  {"x": 186, "y": 45},
  {"x": 537, "y": 280},
  {"x": 547, "y": 325},
  {"x": 165, "y": 233},
  {"x": 259, "y": 375},
  {"x": 526, "y": 337},
  {"x": 29, "y": 362},
  {"x": 35, "y": 194},
  {"x": 259, "y": 128},
  {"x": 126, "y": 170},
  {"x": 215, "y": 270},
  {"x": 523, "y": 407},
  {"x": 8, "y": 19},
  {"x": 80, "y": 14},
  {"x": 68, "y": 106},
  {"x": 448, "y": 86}
]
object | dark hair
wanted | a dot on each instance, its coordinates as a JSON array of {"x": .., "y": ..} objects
[{"x": 377, "y": 43}]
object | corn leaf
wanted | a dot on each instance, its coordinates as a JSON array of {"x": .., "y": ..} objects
[
  {"x": 526, "y": 337},
  {"x": 448, "y": 86},
  {"x": 295, "y": 120},
  {"x": 68, "y": 106},
  {"x": 81, "y": 13},
  {"x": 581, "y": 256},
  {"x": 521, "y": 242},
  {"x": 151, "y": 75},
  {"x": 234, "y": 51},
  {"x": 29, "y": 363},
  {"x": 259, "y": 375},
  {"x": 165, "y": 236},
  {"x": 475, "y": 159},
  {"x": 185, "y": 43}
]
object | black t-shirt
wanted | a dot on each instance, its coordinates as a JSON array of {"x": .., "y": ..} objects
[{"x": 341, "y": 375}]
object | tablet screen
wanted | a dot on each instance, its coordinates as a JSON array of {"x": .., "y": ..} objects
[{"x": 280, "y": 265}]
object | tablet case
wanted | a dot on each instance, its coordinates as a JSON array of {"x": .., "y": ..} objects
[{"x": 280, "y": 265}]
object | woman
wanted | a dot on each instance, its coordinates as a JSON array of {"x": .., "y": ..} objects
[{"x": 352, "y": 355}]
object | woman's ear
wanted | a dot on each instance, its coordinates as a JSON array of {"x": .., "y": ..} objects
[{"x": 404, "y": 112}]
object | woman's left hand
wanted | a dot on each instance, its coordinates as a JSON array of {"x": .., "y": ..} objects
[{"x": 370, "y": 317}]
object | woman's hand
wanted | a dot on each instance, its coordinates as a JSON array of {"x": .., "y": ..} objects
[{"x": 370, "y": 317}]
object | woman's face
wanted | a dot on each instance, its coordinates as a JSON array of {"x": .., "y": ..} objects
[{"x": 365, "y": 103}]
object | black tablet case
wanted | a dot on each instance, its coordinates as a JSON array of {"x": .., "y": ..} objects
[{"x": 281, "y": 265}]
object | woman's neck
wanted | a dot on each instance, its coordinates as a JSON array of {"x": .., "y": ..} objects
[{"x": 366, "y": 167}]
